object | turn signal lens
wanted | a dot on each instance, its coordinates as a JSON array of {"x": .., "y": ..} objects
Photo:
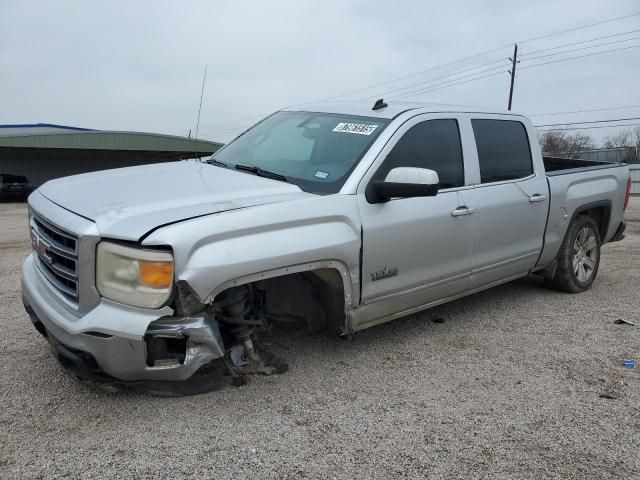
[{"x": 155, "y": 274}]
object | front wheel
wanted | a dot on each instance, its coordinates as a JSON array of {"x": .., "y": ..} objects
[{"x": 579, "y": 257}]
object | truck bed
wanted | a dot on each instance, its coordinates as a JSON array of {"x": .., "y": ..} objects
[
  {"x": 562, "y": 165},
  {"x": 578, "y": 184}
]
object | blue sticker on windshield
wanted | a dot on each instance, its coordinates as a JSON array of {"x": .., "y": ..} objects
[{"x": 321, "y": 174}]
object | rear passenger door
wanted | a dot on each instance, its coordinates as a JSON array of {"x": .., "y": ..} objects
[{"x": 512, "y": 199}]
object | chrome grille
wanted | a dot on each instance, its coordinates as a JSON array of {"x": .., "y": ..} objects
[{"x": 56, "y": 254}]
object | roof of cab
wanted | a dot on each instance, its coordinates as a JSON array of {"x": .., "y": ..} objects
[{"x": 392, "y": 110}]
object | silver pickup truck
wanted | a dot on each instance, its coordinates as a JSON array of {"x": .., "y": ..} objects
[{"x": 335, "y": 216}]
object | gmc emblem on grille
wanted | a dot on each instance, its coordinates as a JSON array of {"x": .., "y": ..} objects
[{"x": 40, "y": 247}]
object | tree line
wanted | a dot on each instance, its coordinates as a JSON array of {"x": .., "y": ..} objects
[{"x": 564, "y": 143}]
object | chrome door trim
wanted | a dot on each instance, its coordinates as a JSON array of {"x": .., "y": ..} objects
[{"x": 505, "y": 182}]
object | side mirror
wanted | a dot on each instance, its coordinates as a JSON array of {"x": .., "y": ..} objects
[{"x": 404, "y": 182}]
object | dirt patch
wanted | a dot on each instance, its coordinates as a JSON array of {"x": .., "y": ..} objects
[{"x": 511, "y": 385}]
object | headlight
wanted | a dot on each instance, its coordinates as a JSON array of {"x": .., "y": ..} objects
[{"x": 134, "y": 276}]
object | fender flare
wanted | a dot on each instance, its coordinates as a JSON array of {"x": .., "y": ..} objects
[
  {"x": 549, "y": 270},
  {"x": 606, "y": 217}
]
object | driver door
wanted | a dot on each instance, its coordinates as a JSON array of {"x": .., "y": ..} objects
[{"x": 417, "y": 251}]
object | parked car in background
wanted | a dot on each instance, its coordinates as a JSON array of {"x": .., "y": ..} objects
[
  {"x": 14, "y": 188},
  {"x": 337, "y": 216}
]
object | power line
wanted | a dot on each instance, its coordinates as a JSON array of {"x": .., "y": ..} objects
[
  {"x": 389, "y": 82},
  {"x": 580, "y": 28},
  {"x": 448, "y": 85},
  {"x": 409, "y": 94},
  {"x": 493, "y": 69},
  {"x": 591, "y": 121},
  {"x": 441, "y": 77},
  {"x": 591, "y": 127},
  {"x": 430, "y": 69},
  {"x": 482, "y": 54},
  {"x": 476, "y": 56},
  {"x": 455, "y": 81},
  {"x": 580, "y": 56},
  {"x": 583, "y": 111},
  {"x": 579, "y": 43},
  {"x": 583, "y": 48}
]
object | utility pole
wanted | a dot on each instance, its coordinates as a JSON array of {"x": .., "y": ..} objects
[
  {"x": 514, "y": 62},
  {"x": 204, "y": 78}
]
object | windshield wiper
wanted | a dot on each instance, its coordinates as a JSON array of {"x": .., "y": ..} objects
[
  {"x": 218, "y": 163},
  {"x": 260, "y": 172}
]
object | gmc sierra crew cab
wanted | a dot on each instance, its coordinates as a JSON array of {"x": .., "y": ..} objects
[{"x": 337, "y": 216}]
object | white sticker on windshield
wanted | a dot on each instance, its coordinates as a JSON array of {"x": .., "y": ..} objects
[
  {"x": 321, "y": 174},
  {"x": 359, "y": 128}
]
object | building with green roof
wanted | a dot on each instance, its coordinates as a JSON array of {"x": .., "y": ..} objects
[{"x": 44, "y": 151}]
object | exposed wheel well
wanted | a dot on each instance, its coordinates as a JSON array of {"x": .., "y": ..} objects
[
  {"x": 600, "y": 215},
  {"x": 315, "y": 297}
]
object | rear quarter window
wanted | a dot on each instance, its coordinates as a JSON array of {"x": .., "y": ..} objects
[{"x": 503, "y": 150}]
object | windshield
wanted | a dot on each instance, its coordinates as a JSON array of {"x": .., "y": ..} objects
[{"x": 316, "y": 151}]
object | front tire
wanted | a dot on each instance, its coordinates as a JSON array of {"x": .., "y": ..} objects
[{"x": 579, "y": 257}]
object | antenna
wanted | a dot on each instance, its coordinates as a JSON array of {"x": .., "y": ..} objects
[
  {"x": 379, "y": 104},
  {"x": 204, "y": 78}
]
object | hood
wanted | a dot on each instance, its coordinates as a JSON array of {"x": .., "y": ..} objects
[{"x": 126, "y": 203}]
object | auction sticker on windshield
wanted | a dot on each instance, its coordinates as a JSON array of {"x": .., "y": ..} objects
[{"x": 359, "y": 128}]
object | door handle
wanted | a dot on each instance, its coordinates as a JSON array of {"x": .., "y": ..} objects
[
  {"x": 464, "y": 210},
  {"x": 537, "y": 198}
]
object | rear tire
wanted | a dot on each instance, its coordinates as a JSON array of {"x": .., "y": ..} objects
[{"x": 578, "y": 258}]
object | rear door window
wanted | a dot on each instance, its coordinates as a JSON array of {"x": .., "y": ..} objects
[{"x": 503, "y": 150}]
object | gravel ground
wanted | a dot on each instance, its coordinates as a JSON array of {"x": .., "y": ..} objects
[{"x": 509, "y": 386}]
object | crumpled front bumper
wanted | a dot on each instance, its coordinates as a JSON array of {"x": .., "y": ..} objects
[{"x": 110, "y": 344}]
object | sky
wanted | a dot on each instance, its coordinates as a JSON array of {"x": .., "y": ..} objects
[{"x": 138, "y": 65}]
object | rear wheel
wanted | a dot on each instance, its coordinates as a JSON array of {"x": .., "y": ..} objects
[{"x": 579, "y": 257}]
